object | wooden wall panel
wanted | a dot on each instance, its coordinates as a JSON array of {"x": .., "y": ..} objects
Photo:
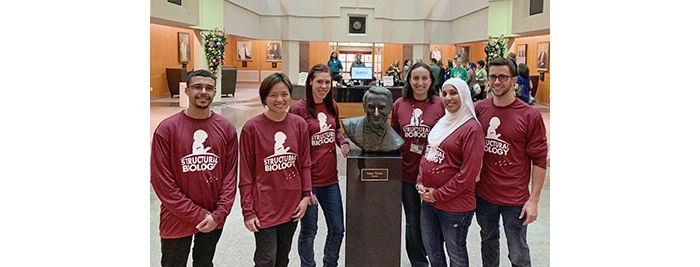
[
  {"x": 476, "y": 51},
  {"x": 304, "y": 56},
  {"x": 531, "y": 61},
  {"x": 259, "y": 61},
  {"x": 164, "y": 54},
  {"x": 392, "y": 52},
  {"x": 318, "y": 54}
]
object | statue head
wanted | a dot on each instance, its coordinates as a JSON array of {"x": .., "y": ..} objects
[
  {"x": 377, "y": 103},
  {"x": 372, "y": 132}
]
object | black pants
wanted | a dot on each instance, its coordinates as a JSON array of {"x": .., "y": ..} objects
[
  {"x": 176, "y": 251},
  {"x": 272, "y": 245}
]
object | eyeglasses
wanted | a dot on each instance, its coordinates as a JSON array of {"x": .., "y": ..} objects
[
  {"x": 199, "y": 87},
  {"x": 501, "y": 78}
]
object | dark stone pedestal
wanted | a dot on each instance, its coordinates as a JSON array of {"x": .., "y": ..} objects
[{"x": 373, "y": 227}]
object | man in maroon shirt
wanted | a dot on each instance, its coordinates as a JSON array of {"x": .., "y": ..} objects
[
  {"x": 194, "y": 158},
  {"x": 515, "y": 153}
]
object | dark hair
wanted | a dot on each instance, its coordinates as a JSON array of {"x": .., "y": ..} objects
[
  {"x": 331, "y": 55},
  {"x": 201, "y": 73},
  {"x": 523, "y": 70},
  {"x": 408, "y": 90},
  {"x": 503, "y": 62},
  {"x": 270, "y": 81},
  {"x": 433, "y": 60},
  {"x": 405, "y": 62},
  {"x": 449, "y": 64},
  {"x": 481, "y": 63},
  {"x": 328, "y": 100}
]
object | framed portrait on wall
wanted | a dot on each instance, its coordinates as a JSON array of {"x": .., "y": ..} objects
[
  {"x": 183, "y": 47},
  {"x": 543, "y": 56},
  {"x": 521, "y": 53},
  {"x": 245, "y": 51},
  {"x": 274, "y": 51},
  {"x": 462, "y": 52}
]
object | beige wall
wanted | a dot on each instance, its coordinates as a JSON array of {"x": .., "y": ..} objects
[
  {"x": 430, "y": 21},
  {"x": 523, "y": 22},
  {"x": 185, "y": 15}
]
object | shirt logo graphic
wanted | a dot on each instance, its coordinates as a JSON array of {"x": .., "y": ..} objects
[
  {"x": 325, "y": 134},
  {"x": 494, "y": 144},
  {"x": 416, "y": 129},
  {"x": 281, "y": 159},
  {"x": 434, "y": 154},
  {"x": 200, "y": 159}
]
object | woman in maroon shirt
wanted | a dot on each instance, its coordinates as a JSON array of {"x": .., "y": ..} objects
[
  {"x": 321, "y": 114},
  {"x": 275, "y": 173},
  {"x": 447, "y": 178},
  {"x": 412, "y": 116}
]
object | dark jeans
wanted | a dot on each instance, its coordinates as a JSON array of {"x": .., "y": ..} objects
[
  {"x": 411, "y": 208},
  {"x": 332, "y": 204},
  {"x": 448, "y": 228},
  {"x": 272, "y": 245},
  {"x": 488, "y": 216},
  {"x": 176, "y": 250}
]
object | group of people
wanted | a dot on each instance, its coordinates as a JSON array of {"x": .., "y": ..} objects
[
  {"x": 462, "y": 159},
  {"x": 459, "y": 160}
]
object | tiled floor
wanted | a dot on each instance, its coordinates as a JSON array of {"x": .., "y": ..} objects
[{"x": 237, "y": 245}]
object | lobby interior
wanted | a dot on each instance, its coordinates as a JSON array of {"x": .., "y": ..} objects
[{"x": 307, "y": 31}]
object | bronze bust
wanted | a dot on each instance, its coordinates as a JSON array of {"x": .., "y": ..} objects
[{"x": 372, "y": 132}]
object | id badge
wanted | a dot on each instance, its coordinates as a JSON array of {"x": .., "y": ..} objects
[{"x": 418, "y": 149}]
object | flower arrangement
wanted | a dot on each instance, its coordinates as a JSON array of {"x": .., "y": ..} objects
[
  {"x": 214, "y": 43},
  {"x": 495, "y": 47}
]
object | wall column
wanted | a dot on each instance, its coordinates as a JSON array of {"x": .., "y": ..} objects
[
  {"x": 290, "y": 55},
  {"x": 421, "y": 51},
  {"x": 210, "y": 17}
]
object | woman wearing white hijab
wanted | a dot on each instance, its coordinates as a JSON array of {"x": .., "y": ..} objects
[{"x": 447, "y": 173}]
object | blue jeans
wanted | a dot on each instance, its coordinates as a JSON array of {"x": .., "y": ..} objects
[
  {"x": 488, "y": 216},
  {"x": 332, "y": 204},
  {"x": 448, "y": 228},
  {"x": 411, "y": 208}
]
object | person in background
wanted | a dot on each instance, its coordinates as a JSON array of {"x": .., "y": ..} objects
[
  {"x": 320, "y": 112},
  {"x": 194, "y": 161},
  {"x": 275, "y": 173},
  {"x": 459, "y": 72},
  {"x": 481, "y": 79},
  {"x": 471, "y": 72},
  {"x": 335, "y": 67},
  {"x": 448, "y": 71},
  {"x": 436, "y": 54},
  {"x": 441, "y": 76},
  {"x": 394, "y": 71},
  {"x": 524, "y": 84},
  {"x": 511, "y": 56},
  {"x": 435, "y": 71},
  {"x": 515, "y": 156},
  {"x": 406, "y": 65},
  {"x": 412, "y": 116},
  {"x": 447, "y": 177},
  {"x": 358, "y": 61}
]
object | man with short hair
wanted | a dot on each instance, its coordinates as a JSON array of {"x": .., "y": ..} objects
[
  {"x": 194, "y": 158},
  {"x": 515, "y": 154}
]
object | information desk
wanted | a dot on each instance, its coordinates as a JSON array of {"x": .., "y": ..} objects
[{"x": 355, "y": 93}]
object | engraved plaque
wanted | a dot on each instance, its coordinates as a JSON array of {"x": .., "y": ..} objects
[{"x": 374, "y": 175}]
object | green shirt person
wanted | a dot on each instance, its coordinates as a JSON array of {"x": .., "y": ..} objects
[{"x": 460, "y": 72}]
